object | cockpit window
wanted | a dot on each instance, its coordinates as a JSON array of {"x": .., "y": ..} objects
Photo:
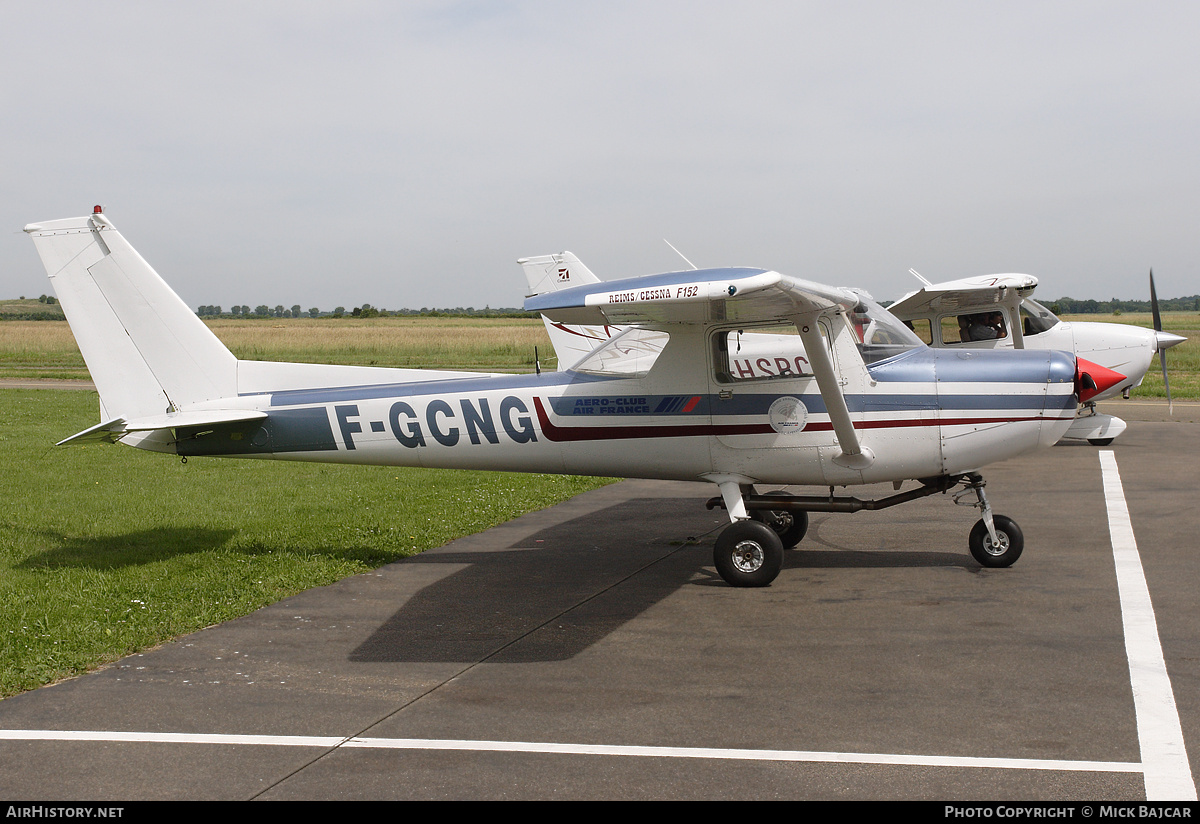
[
  {"x": 628, "y": 355},
  {"x": 1036, "y": 318},
  {"x": 878, "y": 333}
]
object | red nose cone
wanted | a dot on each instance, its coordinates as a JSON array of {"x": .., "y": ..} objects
[{"x": 1091, "y": 379}]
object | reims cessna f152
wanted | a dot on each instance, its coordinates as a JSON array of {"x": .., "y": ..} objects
[
  {"x": 851, "y": 396},
  {"x": 998, "y": 312}
]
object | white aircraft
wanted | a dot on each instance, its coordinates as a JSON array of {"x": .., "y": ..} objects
[
  {"x": 998, "y": 312},
  {"x": 663, "y": 398}
]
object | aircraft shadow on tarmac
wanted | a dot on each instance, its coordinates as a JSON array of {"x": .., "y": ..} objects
[{"x": 552, "y": 595}]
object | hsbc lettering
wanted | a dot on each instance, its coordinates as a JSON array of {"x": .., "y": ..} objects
[{"x": 473, "y": 420}]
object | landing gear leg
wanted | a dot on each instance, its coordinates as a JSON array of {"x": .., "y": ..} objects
[{"x": 996, "y": 540}]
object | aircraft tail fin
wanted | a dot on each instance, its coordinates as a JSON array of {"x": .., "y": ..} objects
[
  {"x": 147, "y": 352},
  {"x": 551, "y": 273}
]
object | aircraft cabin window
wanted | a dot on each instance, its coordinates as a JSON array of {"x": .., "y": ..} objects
[
  {"x": 760, "y": 353},
  {"x": 628, "y": 355},
  {"x": 922, "y": 328}
]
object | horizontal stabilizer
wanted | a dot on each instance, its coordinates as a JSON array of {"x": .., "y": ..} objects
[
  {"x": 106, "y": 432},
  {"x": 112, "y": 431}
]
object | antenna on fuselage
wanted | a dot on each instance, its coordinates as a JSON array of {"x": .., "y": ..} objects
[{"x": 676, "y": 251}]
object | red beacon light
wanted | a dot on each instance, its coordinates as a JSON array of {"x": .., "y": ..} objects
[{"x": 97, "y": 210}]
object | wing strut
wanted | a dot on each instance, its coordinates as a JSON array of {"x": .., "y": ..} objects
[{"x": 854, "y": 455}]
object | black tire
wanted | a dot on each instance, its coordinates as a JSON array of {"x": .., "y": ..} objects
[
  {"x": 790, "y": 525},
  {"x": 1011, "y": 542},
  {"x": 748, "y": 554},
  {"x": 1100, "y": 441}
]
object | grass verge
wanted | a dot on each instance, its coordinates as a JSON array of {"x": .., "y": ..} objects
[{"x": 106, "y": 550}]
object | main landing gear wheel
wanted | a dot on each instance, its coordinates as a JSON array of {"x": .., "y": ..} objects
[
  {"x": 790, "y": 525},
  {"x": 1002, "y": 554},
  {"x": 748, "y": 554},
  {"x": 1100, "y": 441}
]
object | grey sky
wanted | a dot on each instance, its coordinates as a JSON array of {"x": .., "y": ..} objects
[{"x": 405, "y": 154}]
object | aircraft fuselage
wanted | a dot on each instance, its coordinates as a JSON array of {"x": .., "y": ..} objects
[{"x": 924, "y": 413}]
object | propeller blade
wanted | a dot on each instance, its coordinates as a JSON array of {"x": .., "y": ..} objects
[
  {"x": 1154, "y": 304},
  {"x": 1162, "y": 352}
]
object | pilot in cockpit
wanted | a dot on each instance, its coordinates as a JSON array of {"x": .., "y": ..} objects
[{"x": 983, "y": 326}]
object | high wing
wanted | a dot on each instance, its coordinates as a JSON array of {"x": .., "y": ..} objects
[
  {"x": 701, "y": 296},
  {"x": 965, "y": 294},
  {"x": 694, "y": 296},
  {"x": 968, "y": 295}
]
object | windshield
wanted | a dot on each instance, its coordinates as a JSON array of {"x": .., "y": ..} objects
[
  {"x": 878, "y": 333},
  {"x": 1035, "y": 317}
]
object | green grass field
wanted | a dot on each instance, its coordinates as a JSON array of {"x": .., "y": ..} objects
[
  {"x": 107, "y": 550},
  {"x": 47, "y": 349},
  {"x": 1183, "y": 361}
]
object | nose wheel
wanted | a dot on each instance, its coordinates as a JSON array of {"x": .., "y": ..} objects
[
  {"x": 996, "y": 540},
  {"x": 1004, "y": 550}
]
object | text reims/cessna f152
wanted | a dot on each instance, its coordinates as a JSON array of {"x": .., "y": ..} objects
[{"x": 851, "y": 395}]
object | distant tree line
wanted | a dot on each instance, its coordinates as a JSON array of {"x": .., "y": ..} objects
[
  {"x": 364, "y": 311},
  {"x": 260, "y": 311},
  {"x": 1071, "y": 306},
  {"x": 1062, "y": 306}
]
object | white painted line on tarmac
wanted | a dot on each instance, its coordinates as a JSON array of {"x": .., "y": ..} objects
[
  {"x": 172, "y": 738},
  {"x": 1167, "y": 773},
  {"x": 751, "y": 755},
  {"x": 330, "y": 742}
]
